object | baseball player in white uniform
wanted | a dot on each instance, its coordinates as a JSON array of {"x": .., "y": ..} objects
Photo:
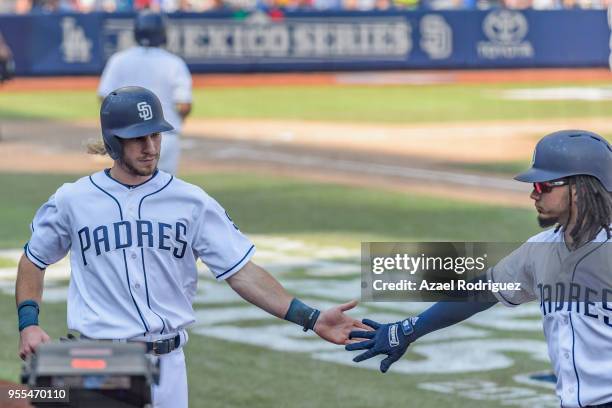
[
  {"x": 152, "y": 67},
  {"x": 568, "y": 269},
  {"x": 134, "y": 234}
]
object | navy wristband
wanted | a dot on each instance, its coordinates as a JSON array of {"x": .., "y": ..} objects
[
  {"x": 28, "y": 314},
  {"x": 302, "y": 314}
]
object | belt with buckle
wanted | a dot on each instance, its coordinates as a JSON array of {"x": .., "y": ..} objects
[
  {"x": 157, "y": 347},
  {"x": 163, "y": 346}
]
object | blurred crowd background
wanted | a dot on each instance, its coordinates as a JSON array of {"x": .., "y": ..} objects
[{"x": 170, "y": 6}]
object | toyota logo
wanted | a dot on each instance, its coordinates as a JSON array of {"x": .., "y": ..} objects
[{"x": 505, "y": 26}]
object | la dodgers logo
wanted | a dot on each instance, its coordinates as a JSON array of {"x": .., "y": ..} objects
[{"x": 144, "y": 110}]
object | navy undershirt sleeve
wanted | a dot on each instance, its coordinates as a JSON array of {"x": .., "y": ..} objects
[{"x": 444, "y": 314}]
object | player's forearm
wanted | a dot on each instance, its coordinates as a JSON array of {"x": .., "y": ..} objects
[
  {"x": 444, "y": 314},
  {"x": 29, "y": 284},
  {"x": 261, "y": 289}
]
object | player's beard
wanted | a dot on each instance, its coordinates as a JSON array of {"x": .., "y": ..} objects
[
  {"x": 546, "y": 222},
  {"x": 142, "y": 171}
]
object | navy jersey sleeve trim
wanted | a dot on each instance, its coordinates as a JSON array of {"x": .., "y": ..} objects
[
  {"x": 237, "y": 263},
  {"x": 33, "y": 258},
  {"x": 499, "y": 292}
]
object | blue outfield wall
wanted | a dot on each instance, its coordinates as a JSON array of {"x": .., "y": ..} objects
[{"x": 66, "y": 44}]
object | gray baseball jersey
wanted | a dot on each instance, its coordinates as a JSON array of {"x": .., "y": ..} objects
[{"x": 574, "y": 289}]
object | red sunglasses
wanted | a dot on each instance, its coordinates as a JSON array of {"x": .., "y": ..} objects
[{"x": 542, "y": 187}]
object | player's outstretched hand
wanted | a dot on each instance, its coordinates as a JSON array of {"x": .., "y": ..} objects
[
  {"x": 391, "y": 339},
  {"x": 30, "y": 338},
  {"x": 334, "y": 326}
]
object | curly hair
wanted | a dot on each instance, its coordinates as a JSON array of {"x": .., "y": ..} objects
[
  {"x": 96, "y": 147},
  {"x": 594, "y": 209}
]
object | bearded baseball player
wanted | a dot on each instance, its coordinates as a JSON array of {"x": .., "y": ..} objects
[
  {"x": 568, "y": 269},
  {"x": 134, "y": 234},
  {"x": 149, "y": 65}
]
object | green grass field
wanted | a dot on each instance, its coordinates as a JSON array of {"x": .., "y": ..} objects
[
  {"x": 287, "y": 207},
  {"x": 391, "y": 104}
]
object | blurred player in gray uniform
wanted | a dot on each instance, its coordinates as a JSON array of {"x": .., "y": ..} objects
[
  {"x": 568, "y": 269},
  {"x": 152, "y": 67}
]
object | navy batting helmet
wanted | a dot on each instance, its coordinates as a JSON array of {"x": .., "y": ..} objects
[
  {"x": 570, "y": 153},
  {"x": 150, "y": 29},
  {"x": 128, "y": 113}
]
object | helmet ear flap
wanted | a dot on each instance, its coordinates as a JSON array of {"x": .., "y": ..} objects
[{"x": 113, "y": 146}]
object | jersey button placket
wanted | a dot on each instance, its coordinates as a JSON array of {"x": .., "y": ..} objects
[
  {"x": 130, "y": 204},
  {"x": 566, "y": 373},
  {"x": 132, "y": 209}
]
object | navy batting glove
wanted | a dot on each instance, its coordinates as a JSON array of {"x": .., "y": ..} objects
[{"x": 391, "y": 339}]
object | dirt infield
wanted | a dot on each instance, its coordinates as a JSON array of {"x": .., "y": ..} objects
[
  {"x": 400, "y": 157},
  {"x": 338, "y": 78},
  {"x": 396, "y": 158},
  {"x": 457, "y": 142}
]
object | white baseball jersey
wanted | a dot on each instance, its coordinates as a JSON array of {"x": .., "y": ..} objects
[
  {"x": 574, "y": 289},
  {"x": 156, "y": 69},
  {"x": 133, "y": 251}
]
